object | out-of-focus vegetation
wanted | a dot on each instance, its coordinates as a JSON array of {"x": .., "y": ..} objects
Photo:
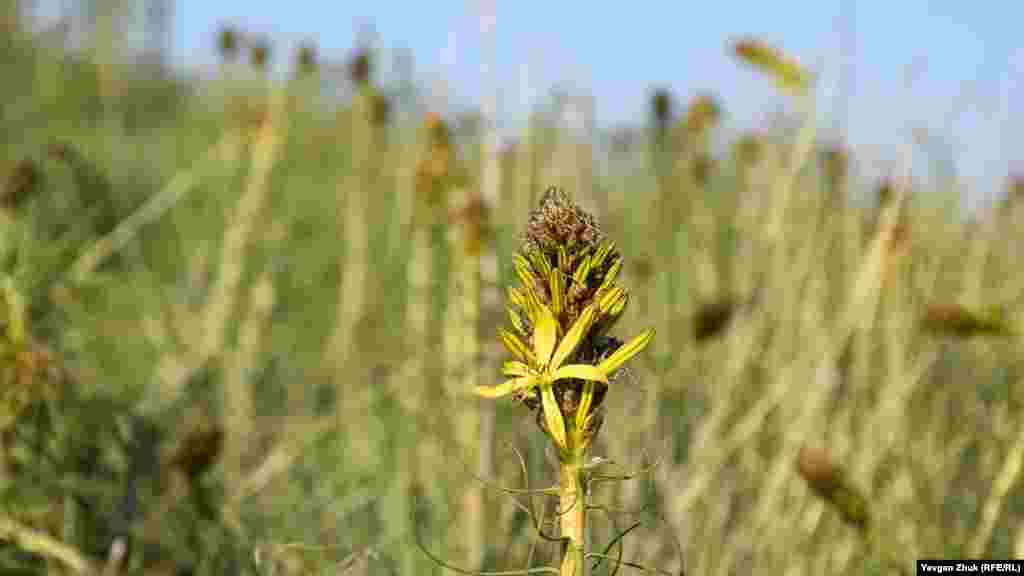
[{"x": 243, "y": 319}]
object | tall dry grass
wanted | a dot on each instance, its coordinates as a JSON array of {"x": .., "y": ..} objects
[{"x": 275, "y": 284}]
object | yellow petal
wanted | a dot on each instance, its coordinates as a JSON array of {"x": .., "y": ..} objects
[
  {"x": 544, "y": 334},
  {"x": 508, "y": 387},
  {"x": 584, "y": 409},
  {"x": 513, "y": 368},
  {"x": 553, "y": 417},
  {"x": 573, "y": 337},
  {"x": 612, "y": 363},
  {"x": 581, "y": 371}
]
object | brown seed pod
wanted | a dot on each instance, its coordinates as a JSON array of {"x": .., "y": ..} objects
[{"x": 702, "y": 114}]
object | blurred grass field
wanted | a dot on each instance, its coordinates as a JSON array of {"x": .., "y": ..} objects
[{"x": 256, "y": 296}]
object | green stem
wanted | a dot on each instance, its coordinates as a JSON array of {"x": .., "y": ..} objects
[{"x": 573, "y": 500}]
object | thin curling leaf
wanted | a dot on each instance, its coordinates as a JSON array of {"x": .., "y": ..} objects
[
  {"x": 553, "y": 417},
  {"x": 616, "y": 359},
  {"x": 544, "y": 335},
  {"x": 787, "y": 73},
  {"x": 512, "y": 386},
  {"x": 573, "y": 337},
  {"x": 516, "y": 346},
  {"x": 557, "y": 290}
]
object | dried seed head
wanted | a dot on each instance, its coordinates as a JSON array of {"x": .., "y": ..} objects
[
  {"x": 702, "y": 115},
  {"x": 439, "y": 134},
  {"x": 701, "y": 168},
  {"x": 712, "y": 318},
  {"x": 661, "y": 107},
  {"x": 885, "y": 192},
  {"x": 818, "y": 470},
  {"x": 963, "y": 322},
  {"x": 360, "y": 67},
  {"x": 749, "y": 149},
  {"x": 829, "y": 482},
  {"x": 835, "y": 161},
  {"x": 474, "y": 217},
  {"x": 380, "y": 109},
  {"x": 306, "y": 60},
  {"x": 23, "y": 182},
  {"x": 259, "y": 53},
  {"x": 227, "y": 43},
  {"x": 559, "y": 222},
  {"x": 198, "y": 449},
  {"x": 1015, "y": 189}
]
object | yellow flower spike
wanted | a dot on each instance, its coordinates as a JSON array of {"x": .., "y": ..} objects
[
  {"x": 788, "y": 74},
  {"x": 609, "y": 365},
  {"x": 610, "y": 298}
]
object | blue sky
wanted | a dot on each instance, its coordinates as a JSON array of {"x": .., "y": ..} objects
[{"x": 966, "y": 59}]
